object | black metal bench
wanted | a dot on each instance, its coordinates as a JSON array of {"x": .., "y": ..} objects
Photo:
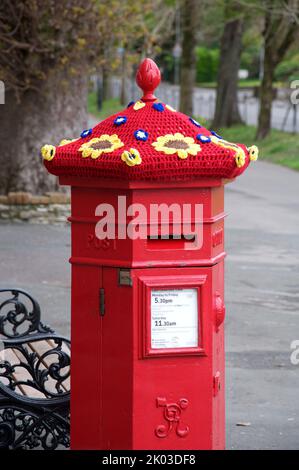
[{"x": 34, "y": 377}]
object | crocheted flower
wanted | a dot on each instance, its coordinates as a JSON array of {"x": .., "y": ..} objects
[
  {"x": 103, "y": 144},
  {"x": 86, "y": 133},
  {"x": 158, "y": 107},
  {"x": 176, "y": 143},
  {"x": 253, "y": 153},
  {"x": 48, "y": 152},
  {"x": 140, "y": 134},
  {"x": 170, "y": 108},
  {"x": 240, "y": 158},
  {"x": 196, "y": 123},
  {"x": 239, "y": 152},
  {"x": 120, "y": 120},
  {"x": 203, "y": 138},
  {"x": 138, "y": 105},
  {"x": 131, "y": 158}
]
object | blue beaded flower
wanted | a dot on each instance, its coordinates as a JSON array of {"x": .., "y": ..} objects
[
  {"x": 86, "y": 133},
  {"x": 204, "y": 139},
  {"x": 195, "y": 122},
  {"x": 130, "y": 104},
  {"x": 216, "y": 135},
  {"x": 140, "y": 134},
  {"x": 158, "y": 107},
  {"x": 120, "y": 120}
]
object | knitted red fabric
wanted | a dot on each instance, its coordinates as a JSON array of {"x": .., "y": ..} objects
[{"x": 153, "y": 120}]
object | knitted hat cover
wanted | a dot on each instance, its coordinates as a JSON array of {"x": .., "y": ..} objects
[{"x": 148, "y": 141}]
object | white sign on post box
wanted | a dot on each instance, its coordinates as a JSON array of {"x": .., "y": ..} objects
[{"x": 174, "y": 318}]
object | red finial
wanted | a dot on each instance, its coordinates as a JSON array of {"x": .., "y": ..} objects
[{"x": 148, "y": 77}]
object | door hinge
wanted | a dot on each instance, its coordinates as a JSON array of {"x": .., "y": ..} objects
[
  {"x": 102, "y": 302},
  {"x": 216, "y": 383}
]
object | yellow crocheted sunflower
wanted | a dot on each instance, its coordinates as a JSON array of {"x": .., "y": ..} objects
[
  {"x": 131, "y": 157},
  {"x": 98, "y": 145},
  {"x": 240, "y": 157},
  {"x": 176, "y": 143},
  {"x": 48, "y": 152}
]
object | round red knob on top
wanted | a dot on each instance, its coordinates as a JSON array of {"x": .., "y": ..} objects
[{"x": 148, "y": 77}]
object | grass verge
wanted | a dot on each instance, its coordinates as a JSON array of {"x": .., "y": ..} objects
[
  {"x": 279, "y": 147},
  {"x": 109, "y": 107}
]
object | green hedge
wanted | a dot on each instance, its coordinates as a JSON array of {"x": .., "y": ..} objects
[{"x": 207, "y": 62}]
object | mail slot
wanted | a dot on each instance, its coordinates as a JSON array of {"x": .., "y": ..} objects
[
  {"x": 147, "y": 295},
  {"x": 172, "y": 242}
]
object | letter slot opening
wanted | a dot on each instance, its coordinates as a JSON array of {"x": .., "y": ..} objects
[{"x": 171, "y": 242}]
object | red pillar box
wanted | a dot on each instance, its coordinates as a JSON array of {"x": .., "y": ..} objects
[{"x": 147, "y": 276}]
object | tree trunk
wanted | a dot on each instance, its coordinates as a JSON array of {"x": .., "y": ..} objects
[
  {"x": 123, "y": 84},
  {"x": 280, "y": 31},
  {"x": 266, "y": 96},
  {"x": 227, "y": 111},
  {"x": 189, "y": 9},
  {"x": 107, "y": 86},
  {"x": 57, "y": 111}
]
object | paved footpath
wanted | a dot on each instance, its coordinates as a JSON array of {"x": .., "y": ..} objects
[{"x": 262, "y": 298}]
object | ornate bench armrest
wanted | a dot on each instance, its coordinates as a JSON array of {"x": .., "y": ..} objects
[{"x": 19, "y": 314}]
